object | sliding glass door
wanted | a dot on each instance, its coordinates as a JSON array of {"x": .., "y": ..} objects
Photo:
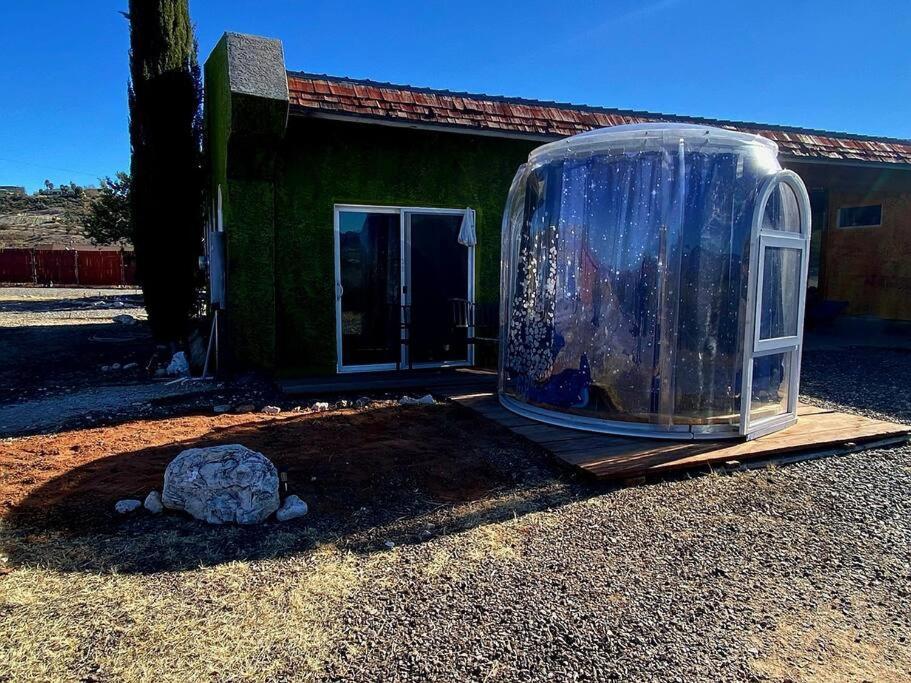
[
  {"x": 368, "y": 292},
  {"x": 436, "y": 279},
  {"x": 400, "y": 276}
]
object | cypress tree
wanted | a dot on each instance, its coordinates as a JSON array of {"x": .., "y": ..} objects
[{"x": 165, "y": 94}]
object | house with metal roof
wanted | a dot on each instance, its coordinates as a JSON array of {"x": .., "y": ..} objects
[{"x": 356, "y": 225}]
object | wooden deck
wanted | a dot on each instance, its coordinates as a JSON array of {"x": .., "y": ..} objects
[{"x": 818, "y": 431}]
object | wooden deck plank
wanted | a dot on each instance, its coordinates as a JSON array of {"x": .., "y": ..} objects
[
  {"x": 511, "y": 421},
  {"x": 547, "y": 434},
  {"x": 614, "y": 457},
  {"x": 588, "y": 443}
]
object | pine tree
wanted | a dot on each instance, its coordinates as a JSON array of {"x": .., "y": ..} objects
[{"x": 165, "y": 94}]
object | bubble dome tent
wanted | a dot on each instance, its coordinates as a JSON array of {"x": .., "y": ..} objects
[{"x": 652, "y": 283}]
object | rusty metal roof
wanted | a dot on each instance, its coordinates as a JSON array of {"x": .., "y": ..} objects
[{"x": 509, "y": 116}]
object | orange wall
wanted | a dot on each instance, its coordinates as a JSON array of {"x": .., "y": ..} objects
[{"x": 870, "y": 268}]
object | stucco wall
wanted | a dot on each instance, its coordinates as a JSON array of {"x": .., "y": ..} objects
[
  {"x": 870, "y": 268},
  {"x": 323, "y": 163}
]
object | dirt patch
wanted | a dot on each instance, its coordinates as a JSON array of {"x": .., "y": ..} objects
[
  {"x": 339, "y": 462},
  {"x": 829, "y": 646}
]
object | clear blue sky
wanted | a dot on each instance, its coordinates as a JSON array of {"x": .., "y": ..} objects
[{"x": 834, "y": 64}]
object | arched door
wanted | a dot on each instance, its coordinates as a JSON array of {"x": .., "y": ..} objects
[{"x": 775, "y": 305}]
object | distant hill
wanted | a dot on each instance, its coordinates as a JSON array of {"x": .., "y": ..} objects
[{"x": 43, "y": 220}]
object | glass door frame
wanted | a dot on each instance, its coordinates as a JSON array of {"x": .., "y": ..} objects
[
  {"x": 753, "y": 346},
  {"x": 407, "y": 213},
  {"x": 404, "y": 213}
]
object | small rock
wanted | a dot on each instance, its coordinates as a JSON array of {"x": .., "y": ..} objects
[
  {"x": 245, "y": 408},
  {"x": 179, "y": 366},
  {"x": 341, "y": 404},
  {"x": 222, "y": 408},
  {"x": 131, "y": 366},
  {"x": 152, "y": 503},
  {"x": 292, "y": 508},
  {"x": 426, "y": 400},
  {"x": 320, "y": 406},
  {"x": 115, "y": 366},
  {"x": 105, "y": 368},
  {"x": 127, "y": 505},
  {"x": 297, "y": 409},
  {"x": 271, "y": 410},
  {"x": 362, "y": 402},
  {"x": 389, "y": 544},
  {"x": 124, "y": 319}
]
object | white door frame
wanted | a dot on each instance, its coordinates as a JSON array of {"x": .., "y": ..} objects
[
  {"x": 404, "y": 213},
  {"x": 753, "y": 346},
  {"x": 407, "y": 213}
]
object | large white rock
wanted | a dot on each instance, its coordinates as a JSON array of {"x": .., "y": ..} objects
[{"x": 222, "y": 484}]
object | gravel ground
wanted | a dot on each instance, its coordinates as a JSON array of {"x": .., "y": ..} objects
[
  {"x": 800, "y": 574},
  {"x": 870, "y": 381},
  {"x": 31, "y": 306},
  {"x": 55, "y": 340}
]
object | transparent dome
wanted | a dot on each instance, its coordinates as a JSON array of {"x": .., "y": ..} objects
[{"x": 630, "y": 283}]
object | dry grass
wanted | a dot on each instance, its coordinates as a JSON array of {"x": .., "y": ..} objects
[
  {"x": 73, "y": 605},
  {"x": 263, "y": 620},
  {"x": 828, "y": 646},
  {"x": 269, "y": 619}
]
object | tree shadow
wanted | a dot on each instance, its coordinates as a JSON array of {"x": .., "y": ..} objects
[
  {"x": 37, "y": 357},
  {"x": 400, "y": 475},
  {"x": 105, "y": 302}
]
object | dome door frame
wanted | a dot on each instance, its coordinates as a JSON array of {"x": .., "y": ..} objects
[{"x": 789, "y": 347}]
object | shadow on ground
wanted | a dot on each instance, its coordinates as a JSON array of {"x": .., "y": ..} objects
[
  {"x": 37, "y": 358},
  {"x": 397, "y": 474},
  {"x": 102, "y": 302}
]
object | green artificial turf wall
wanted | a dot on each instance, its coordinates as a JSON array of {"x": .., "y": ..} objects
[
  {"x": 243, "y": 136},
  {"x": 322, "y": 163}
]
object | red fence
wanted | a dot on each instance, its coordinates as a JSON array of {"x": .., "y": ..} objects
[
  {"x": 16, "y": 265},
  {"x": 87, "y": 267}
]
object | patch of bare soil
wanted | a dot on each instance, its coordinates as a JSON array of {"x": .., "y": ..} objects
[
  {"x": 831, "y": 646},
  {"x": 338, "y": 462}
]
